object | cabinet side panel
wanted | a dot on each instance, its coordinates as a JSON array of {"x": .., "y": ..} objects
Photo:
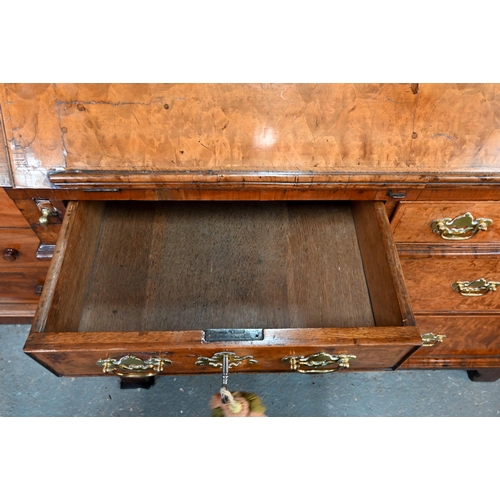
[
  {"x": 64, "y": 292},
  {"x": 389, "y": 298}
]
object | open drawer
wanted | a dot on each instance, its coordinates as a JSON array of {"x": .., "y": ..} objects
[{"x": 164, "y": 287}]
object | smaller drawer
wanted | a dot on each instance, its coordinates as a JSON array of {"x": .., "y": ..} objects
[
  {"x": 412, "y": 221},
  {"x": 22, "y": 285},
  {"x": 471, "y": 341},
  {"x": 24, "y": 244},
  {"x": 430, "y": 280},
  {"x": 10, "y": 216}
]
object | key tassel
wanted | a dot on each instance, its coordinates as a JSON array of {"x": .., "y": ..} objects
[{"x": 244, "y": 404}]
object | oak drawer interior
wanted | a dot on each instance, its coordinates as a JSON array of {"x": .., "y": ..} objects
[{"x": 135, "y": 266}]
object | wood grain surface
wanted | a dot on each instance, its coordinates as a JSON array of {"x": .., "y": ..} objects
[
  {"x": 238, "y": 133},
  {"x": 24, "y": 242},
  {"x": 10, "y": 215},
  {"x": 19, "y": 286}
]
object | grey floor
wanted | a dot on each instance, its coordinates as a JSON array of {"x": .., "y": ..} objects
[{"x": 29, "y": 390}]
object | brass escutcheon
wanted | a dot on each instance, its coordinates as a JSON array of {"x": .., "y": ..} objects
[
  {"x": 301, "y": 364},
  {"x": 462, "y": 227},
  {"x": 217, "y": 359},
  {"x": 133, "y": 367},
  {"x": 430, "y": 339},
  {"x": 475, "y": 288}
]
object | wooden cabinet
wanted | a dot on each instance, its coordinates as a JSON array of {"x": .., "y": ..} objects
[{"x": 328, "y": 218}]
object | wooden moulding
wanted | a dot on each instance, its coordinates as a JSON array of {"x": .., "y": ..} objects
[
  {"x": 13, "y": 313},
  {"x": 467, "y": 362},
  {"x": 264, "y": 180},
  {"x": 147, "y": 277}
]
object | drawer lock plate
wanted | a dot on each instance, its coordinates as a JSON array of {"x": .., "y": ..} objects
[{"x": 233, "y": 335}]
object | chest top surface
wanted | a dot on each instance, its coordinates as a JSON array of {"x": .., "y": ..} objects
[{"x": 137, "y": 134}]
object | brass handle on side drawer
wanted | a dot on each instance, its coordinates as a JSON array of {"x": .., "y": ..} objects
[
  {"x": 10, "y": 254},
  {"x": 46, "y": 213},
  {"x": 462, "y": 227},
  {"x": 133, "y": 367},
  {"x": 312, "y": 363},
  {"x": 475, "y": 288},
  {"x": 430, "y": 339}
]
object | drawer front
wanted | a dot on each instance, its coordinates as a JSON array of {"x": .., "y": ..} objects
[
  {"x": 471, "y": 341},
  {"x": 188, "y": 352},
  {"x": 22, "y": 285},
  {"x": 9, "y": 213},
  {"x": 412, "y": 222},
  {"x": 451, "y": 284},
  {"x": 18, "y": 248},
  {"x": 320, "y": 277}
]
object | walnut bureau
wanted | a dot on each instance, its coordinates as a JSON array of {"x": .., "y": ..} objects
[{"x": 310, "y": 227}]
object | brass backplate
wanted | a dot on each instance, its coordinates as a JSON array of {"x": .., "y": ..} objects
[
  {"x": 475, "y": 288},
  {"x": 216, "y": 360},
  {"x": 462, "y": 227},
  {"x": 132, "y": 366},
  {"x": 315, "y": 362},
  {"x": 430, "y": 339}
]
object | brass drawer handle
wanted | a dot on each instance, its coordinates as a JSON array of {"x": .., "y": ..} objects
[
  {"x": 46, "y": 214},
  {"x": 430, "y": 339},
  {"x": 133, "y": 367},
  {"x": 47, "y": 211},
  {"x": 462, "y": 227},
  {"x": 475, "y": 288},
  {"x": 314, "y": 362}
]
